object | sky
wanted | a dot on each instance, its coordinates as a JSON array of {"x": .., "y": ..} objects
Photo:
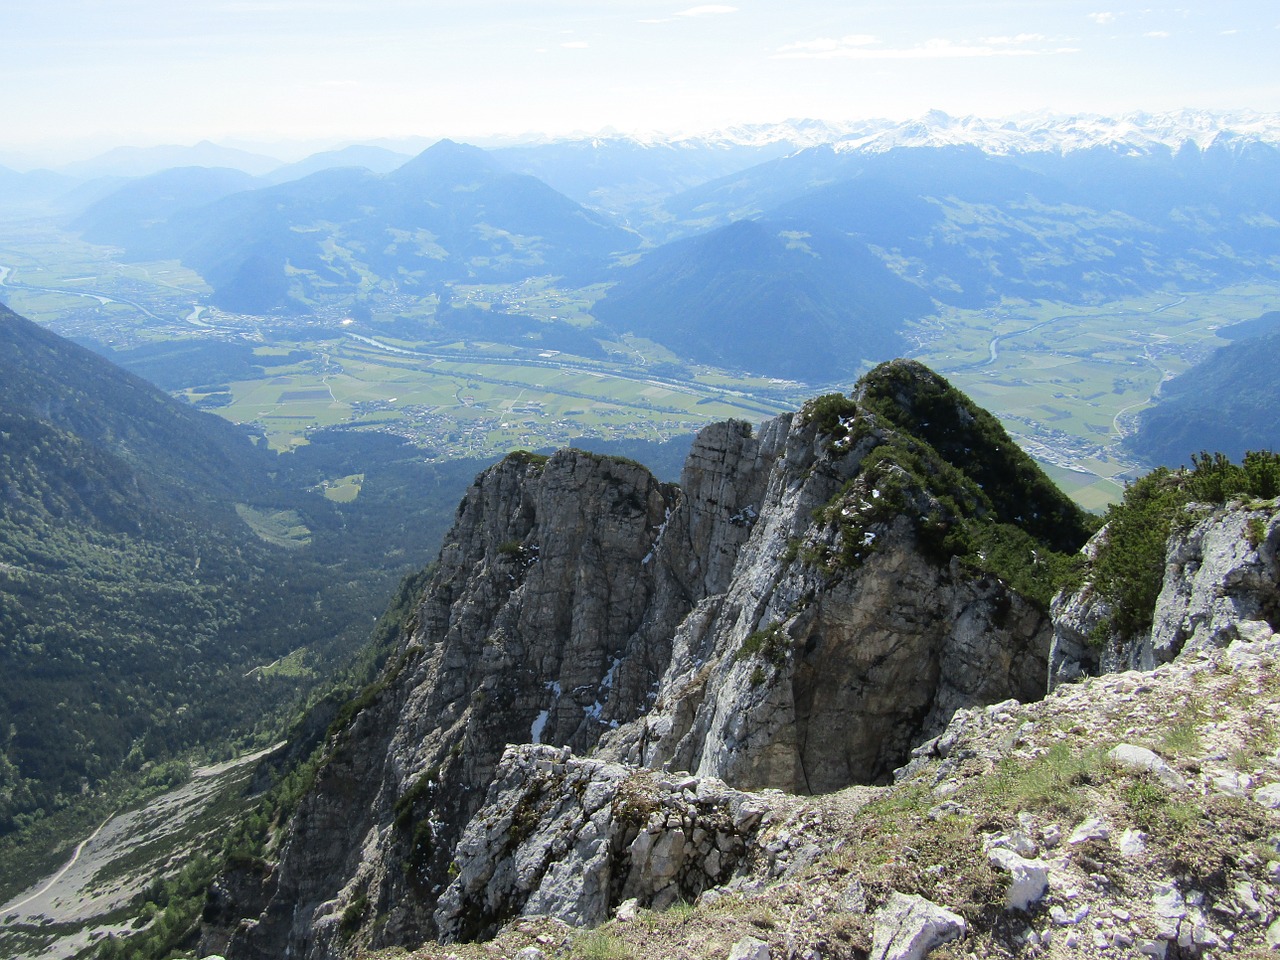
[{"x": 84, "y": 75}]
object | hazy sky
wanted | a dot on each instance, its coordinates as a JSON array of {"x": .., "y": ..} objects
[{"x": 178, "y": 71}]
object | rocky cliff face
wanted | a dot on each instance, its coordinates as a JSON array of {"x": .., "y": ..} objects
[
  {"x": 803, "y": 609},
  {"x": 808, "y": 670},
  {"x": 1221, "y": 583},
  {"x": 1135, "y": 814},
  {"x": 1132, "y": 813},
  {"x": 542, "y": 623}
]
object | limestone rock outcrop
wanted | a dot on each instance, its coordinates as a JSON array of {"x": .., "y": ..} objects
[
  {"x": 542, "y": 623},
  {"x": 794, "y": 615},
  {"x": 1221, "y": 584},
  {"x": 571, "y": 838}
]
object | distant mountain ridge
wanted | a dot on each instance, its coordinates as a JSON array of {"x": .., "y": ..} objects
[
  {"x": 156, "y": 197},
  {"x": 371, "y": 158},
  {"x": 142, "y": 161},
  {"x": 1025, "y": 133},
  {"x": 1227, "y": 403},
  {"x": 451, "y": 213},
  {"x": 789, "y": 299},
  {"x": 971, "y": 226},
  {"x": 960, "y": 212},
  {"x": 954, "y": 225}
]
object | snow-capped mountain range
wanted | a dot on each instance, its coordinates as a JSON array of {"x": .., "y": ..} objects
[{"x": 1029, "y": 133}]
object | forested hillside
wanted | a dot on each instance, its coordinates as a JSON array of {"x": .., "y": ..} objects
[
  {"x": 1227, "y": 403},
  {"x": 155, "y": 565}
]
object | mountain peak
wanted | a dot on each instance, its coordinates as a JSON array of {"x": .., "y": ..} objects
[
  {"x": 449, "y": 164},
  {"x": 917, "y": 400}
]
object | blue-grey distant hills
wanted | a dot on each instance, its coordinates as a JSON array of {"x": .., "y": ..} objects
[
  {"x": 962, "y": 212},
  {"x": 1225, "y": 404},
  {"x": 452, "y": 213},
  {"x": 625, "y": 176},
  {"x": 899, "y": 218},
  {"x": 126, "y": 214},
  {"x": 375, "y": 159},
  {"x": 970, "y": 226},
  {"x": 24, "y": 192},
  {"x": 792, "y": 299},
  {"x": 144, "y": 161}
]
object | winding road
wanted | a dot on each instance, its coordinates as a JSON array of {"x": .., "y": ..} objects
[{"x": 13, "y": 908}]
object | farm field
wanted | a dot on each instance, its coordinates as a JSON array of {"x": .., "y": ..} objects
[
  {"x": 1068, "y": 381},
  {"x": 471, "y": 405}
]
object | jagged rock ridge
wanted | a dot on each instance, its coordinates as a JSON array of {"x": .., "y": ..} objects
[
  {"x": 797, "y": 614},
  {"x": 1135, "y": 813}
]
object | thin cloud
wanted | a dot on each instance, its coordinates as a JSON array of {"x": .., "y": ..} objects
[
  {"x": 707, "y": 10},
  {"x": 830, "y": 45},
  {"x": 703, "y": 10},
  {"x": 1014, "y": 41},
  {"x": 1105, "y": 17},
  {"x": 936, "y": 49},
  {"x": 575, "y": 45},
  {"x": 1158, "y": 34}
]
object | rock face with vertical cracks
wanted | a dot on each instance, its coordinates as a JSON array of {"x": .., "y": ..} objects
[
  {"x": 790, "y": 616},
  {"x": 1221, "y": 584}
]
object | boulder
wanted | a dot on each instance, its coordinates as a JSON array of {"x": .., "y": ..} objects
[
  {"x": 907, "y": 927},
  {"x": 1029, "y": 879},
  {"x": 749, "y": 948},
  {"x": 1141, "y": 760}
]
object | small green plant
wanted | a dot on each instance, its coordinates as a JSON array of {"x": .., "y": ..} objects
[
  {"x": 792, "y": 551},
  {"x": 911, "y": 798},
  {"x": 1051, "y": 780},
  {"x": 681, "y": 910},
  {"x": 1099, "y": 634},
  {"x": 527, "y": 814},
  {"x": 1255, "y": 531},
  {"x": 762, "y": 917},
  {"x": 771, "y": 643},
  {"x": 420, "y": 792},
  {"x": 1144, "y": 800},
  {"x": 1181, "y": 739},
  {"x": 1155, "y": 810},
  {"x": 526, "y": 458},
  {"x": 1261, "y": 740},
  {"x": 598, "y": 945},
  {"x": 353, "y": 914},
  {"x": 1129, "y": 568},
  {"x": 829, "y": 414}
]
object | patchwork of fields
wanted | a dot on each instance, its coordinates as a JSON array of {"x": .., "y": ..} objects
[{"x": 1067, "y": 380}]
